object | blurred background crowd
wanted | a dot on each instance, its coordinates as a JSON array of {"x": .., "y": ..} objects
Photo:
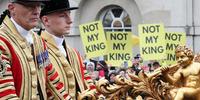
[{"x": 100, "y": 69}]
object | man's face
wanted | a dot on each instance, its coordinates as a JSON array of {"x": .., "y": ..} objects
[
  {"x": 58, "y": 22},
  {"x": 25, "y": 14},
  {"x": 112, "y": 77},
  {"x": 156, "y": 66},
  {"x": 90, "y": 67},
  {"x": 183, "y": 59},
  {"x": 136, "y": 61}
]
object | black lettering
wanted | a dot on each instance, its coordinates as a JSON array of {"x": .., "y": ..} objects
[
  {"x": 174, "y": 37},
  {"x": 119, "y": 56},
  {"x": 88, "y": 49},
  {"x": 96, "y": 36},
  {"x": 90, "y": 38},
  {"x": 85, "y": 29},
  {"x": 171, "y": 46},
  {"x": 125, "y": 36},
  {"x": 113, "y": 37},
  {"x": 167, "y": 36},
  {"x": 116, "y": 46},
  {"x": 151, "y": 39},
  {"x": 95, "y": 47},
  {"x": 123, "y": 45},
  {"x": 111, "y": 56},
  {"x": 145, "y": 29},
  {"x": 152, "y": 50},
  {"x": 119, "y": 36},
  {"x": 119, "y": 46},
  {"x": 144, "y": 50},
  {"x": 157, "y": 28},
  {"x": 160, "y": 49},
  {"x": 151, "y": 29},
  {"x": 171, "y": 57},
  {"x": 90, "y": 28},
  {"x": 96, "y": 24},
  {"x": 127, "y": 56}
]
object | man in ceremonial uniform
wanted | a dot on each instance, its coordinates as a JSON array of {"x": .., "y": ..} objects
[
  {"x": 56, "y": 18},
  {"x": 25, "y": 68}
]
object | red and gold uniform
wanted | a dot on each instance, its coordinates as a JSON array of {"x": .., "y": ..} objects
[
  {"x": 70, "y": 68},
  {"x": 25, "y": 70}
]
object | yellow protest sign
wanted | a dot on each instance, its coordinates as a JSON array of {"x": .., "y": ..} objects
[
  {"x": 173, "y": 39},
  {"x": 93, "y": 38},
  {"x": 152, "y": 41},
  {"x": 119, "y": 48}
]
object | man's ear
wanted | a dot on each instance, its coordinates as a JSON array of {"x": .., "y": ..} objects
[
  {"x": 45, "y": 20},
  {"x": 11, "y": 7}
]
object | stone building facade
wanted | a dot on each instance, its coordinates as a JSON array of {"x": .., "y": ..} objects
[{"x": 125, "y": 15}]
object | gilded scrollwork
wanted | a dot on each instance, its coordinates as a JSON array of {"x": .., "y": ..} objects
[
  {"x": 152, "y": 87},
  {"x": 180, "y": 81}
]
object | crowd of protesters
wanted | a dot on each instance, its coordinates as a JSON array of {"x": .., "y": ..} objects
[{"x": 100, "y": 69}]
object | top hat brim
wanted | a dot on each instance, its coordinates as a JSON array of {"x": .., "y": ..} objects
[
  {"x": 73, "y": 8},
  {"x": 29, "y": 0},
  {"x": 64, "y": 9}
]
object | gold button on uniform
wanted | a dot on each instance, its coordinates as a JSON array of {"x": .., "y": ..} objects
[
  {"x": 69, "y": 74},
  {"x": 30, "y": 58},
  {"x": 71, "y": 85},
  {"x": 34, "y": 84},
  {"x": 23, "y": 45},
  {"x": 33, "y": 71},
  {"x": 64, "y": 63},
  {"x": 34, "y": 97},
  {"x": 58, "y": 54},
  {"x": 72, "y": 95}
]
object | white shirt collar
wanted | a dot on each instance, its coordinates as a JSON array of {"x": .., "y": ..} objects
[
  {"x": 59, "y": 41},
  {"x": 26, "y": 34}
]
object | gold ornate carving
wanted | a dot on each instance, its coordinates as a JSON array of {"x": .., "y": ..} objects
[
  {"x": 87, "y": 95},
  {"x": 152, "y": 87},
  {"x": 180, "y": 81}
]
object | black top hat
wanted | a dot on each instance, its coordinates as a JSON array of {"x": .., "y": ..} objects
[
  {"x": 28, "y": 0},
  {"x": 56, "y": 5},
  {"x": 137, "y": 56}
]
